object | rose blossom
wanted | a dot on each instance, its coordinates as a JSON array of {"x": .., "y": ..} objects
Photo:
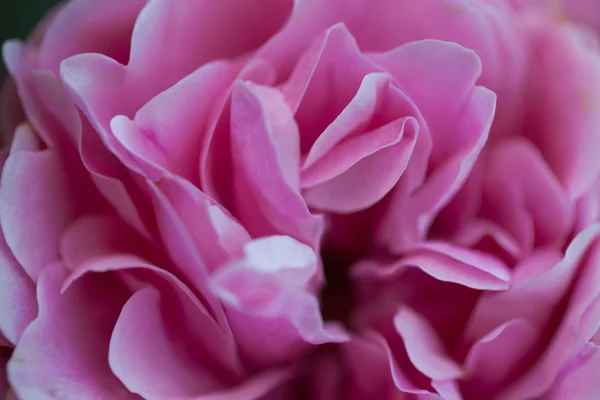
[{"x": 320, "y": 199}]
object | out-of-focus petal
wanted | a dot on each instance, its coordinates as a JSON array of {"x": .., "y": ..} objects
[
  {"x": 271, "y": 203},
  {"x": 270, "y": 290},
  {"x": 62, "y": 353},
  {"x": 579, "y": 378}
]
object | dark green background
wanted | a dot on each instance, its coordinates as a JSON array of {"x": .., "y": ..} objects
[{"x": 19, "y": 17}]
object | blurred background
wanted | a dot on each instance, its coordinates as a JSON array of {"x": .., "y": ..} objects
[{"x": 18, "y": 17}]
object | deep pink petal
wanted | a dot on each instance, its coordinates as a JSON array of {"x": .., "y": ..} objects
[
  {"x": 270, "y": 202},
  {"x": 579, "y": 377},
  {"x": 32, "y": 183},
  {"x": 146, "y": 358},
  {"x": 424, "y": 348},
  {"x": 18, "y": 304},
  {"x": 103, "y": 88},
  {"x": 92, "y": 244},
  {"x": 323, "y": 83},
  {"x": 561, "y": 305},
  {"x": 447, "y": 263},
  {"x": 495, "y": 356},
  {"x": 180, "y": 245},
  {"x": 439, "y": 78},
  {"x": 166, "y": 132},
  {"x": 89, "y": 27},
  {"x": 522, "y": 195},
  {"x": 63, "y": 352},
  {"x": 343, "y": 155},
  {"x": 564, "y": 96},
  {"x": 410, "y": 216},
  {"x": 217, "y": 237},
  {"x": 269, "y": 290}
]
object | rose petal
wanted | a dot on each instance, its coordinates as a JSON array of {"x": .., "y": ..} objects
[
  {"x": 423, "y": 347},
  {"x": 269, "y": 291},
  {"x": 495, "y": 356},
  {"x": 329, "y": 177},
  {"x": 216, "y": 235},
  {"x": 62, "y": 354},
  {"x": 571, "y": 287},
  {"x": 165, "y": 132},
  {"x": 447, "y": 263},
  {"x": 579, "y": 377},
  {"x": 147, "y": 360},
  {"x": 89, "y": 27},
  {"x": 272, "y": 204},
  {"x": 522, "y": 195},
  {"x": 93, "y": 245},
  {"x": 18, "y": 305},
  {"x": 182, "y": 249},
  {"x": 33, "y": 182},
  {"x": 564, "y": 96}
]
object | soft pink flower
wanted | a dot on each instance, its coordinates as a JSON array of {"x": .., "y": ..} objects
[{"x": 320, "y": 199}]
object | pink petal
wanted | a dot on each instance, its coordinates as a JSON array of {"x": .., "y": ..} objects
[
  {"x": 410, "y": 216},
  {"x": 186, "y": 44},
  {"x": 564, "y": 96},
  {"x": 114, "y": 182},
  {"x": 587, "y": 209},
  {"x": 165, "y": 132},
  {"x": 323, "y": 83},
  {"x": 271, "y": 307},
  {"x": 89, "y": 27},
  {"x": 44, "y": 101},
  {"x": 18, "y": 305},
  {"x": 57, "y": 121},
  {"x": 585, "y": 12},
  {"x": 424, "y": 348},
  {"x": 572, "y": 284},
  {"x": 479, "y": 229},
  {"x": 63, "y": 352},
  {"x": 490, "y": 29},
  {"x": 579, "y": 377},
  {"x": 92, "y": 244},
  {"x": 443, "y": 183},
  {"x": 341, "y": 156},
  {"x": 401, "y": 368},
  {"x": 146, "y": 358},
  {"x": 447, "y": 390},
  {"x": 384, "y": 152},
  {"x": 496, "y": 355},
  {"x": 34, "y": 182},
  {"x": 536, "y": 264},
  {"x": 439, "y": 78},
  {"x": 103, "y": 88},
  {"x": 216, "y": 235},
  {"x": 271, "y": 203},
  {"x": 447, "y": 263},
  {"x": 216, "y": 160},
  {"x": 182, "y": 250},
  {"x": 254, "y": 388},
  {"x": 519, "y": 187}
]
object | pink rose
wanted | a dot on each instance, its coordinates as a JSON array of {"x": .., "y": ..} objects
[{"x": 302, "y": 199}]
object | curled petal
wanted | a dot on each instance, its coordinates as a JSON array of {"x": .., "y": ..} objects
[
  {"x": 579, "y": 377},
  {"x": 62, "y": 353},
  {"x": 273, "y": 204},
  {"x": 270, "y": 290}
]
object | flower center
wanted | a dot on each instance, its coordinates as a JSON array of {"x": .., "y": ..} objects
[{"x": 336, "y": 297}]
